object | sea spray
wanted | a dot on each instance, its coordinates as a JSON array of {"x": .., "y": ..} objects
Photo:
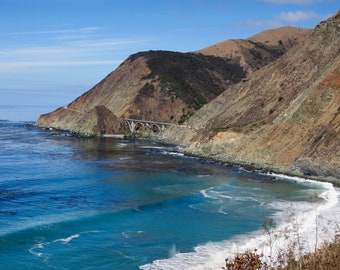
[{"x": 173, "y": 251}]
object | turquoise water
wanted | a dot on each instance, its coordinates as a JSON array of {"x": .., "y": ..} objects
[{"x": 73, "y": 203}]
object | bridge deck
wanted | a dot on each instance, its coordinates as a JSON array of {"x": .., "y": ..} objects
[{"x": 160, "y": 125}]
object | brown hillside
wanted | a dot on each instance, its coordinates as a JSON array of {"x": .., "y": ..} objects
[
  {"x": 285, "y": 118},
  {"x": 287, "y": 36},
  {"x": 259, "y": 50},
  {"x": 157, "y": 86},
  {"x": 168, "y": 86}
]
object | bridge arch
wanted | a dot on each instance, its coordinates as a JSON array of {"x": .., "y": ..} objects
[
  {"x": 139, "y": 125},
  {"x": 135, "y": 124},
  {"x": 155, "y": 128}
]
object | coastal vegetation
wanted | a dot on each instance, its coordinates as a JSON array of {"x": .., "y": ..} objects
[
  {"x": 325, "y": 258},
  {"x": 188, "y": 75},
  {"x": 295, "y": 257}
]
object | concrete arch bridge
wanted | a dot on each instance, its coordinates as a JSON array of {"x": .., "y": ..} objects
[{"x": 135, "y": 124}]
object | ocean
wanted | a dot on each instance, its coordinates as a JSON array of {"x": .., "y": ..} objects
[{"x": 104, "y": 203}]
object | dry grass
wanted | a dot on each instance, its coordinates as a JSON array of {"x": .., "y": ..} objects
[{"x": 325, "y": 258}]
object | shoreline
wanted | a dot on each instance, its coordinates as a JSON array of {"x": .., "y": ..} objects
[
  {"x": 184, "y": 149},
  {"x": 261, "y": 168},
  {"x": 302, "y": 228},
  {"x": 322, "y": 216},
  {"x": 326, "y": 216},
  {"x": 220, "y": 250}
]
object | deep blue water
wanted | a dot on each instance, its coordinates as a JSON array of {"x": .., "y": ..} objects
[{"x": 75, "y": 203}]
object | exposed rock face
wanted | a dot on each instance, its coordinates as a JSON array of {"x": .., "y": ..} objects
[
  {"x": 284, "y": 118},
  {"x": 94, "y": 122},
  {"x": 99, "y": 121}
]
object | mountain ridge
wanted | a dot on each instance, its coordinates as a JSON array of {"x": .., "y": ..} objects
[
  {"x": 281, "y": 116},
  {"x": 156, "y": 86},
  {"x": 258, "y": 50}
]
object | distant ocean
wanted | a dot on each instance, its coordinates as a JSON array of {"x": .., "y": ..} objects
[
  {"x": 76, "y": 203},
  {"x": 23, "y": 113}
]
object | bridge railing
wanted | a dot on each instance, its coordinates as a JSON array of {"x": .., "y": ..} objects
[{"x": 133, "y": 123}]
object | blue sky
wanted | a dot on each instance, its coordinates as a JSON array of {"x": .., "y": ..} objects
[{"x": 51, "y": 51}]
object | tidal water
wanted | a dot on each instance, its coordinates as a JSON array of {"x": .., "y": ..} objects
[{"x": 76, "y": 203}]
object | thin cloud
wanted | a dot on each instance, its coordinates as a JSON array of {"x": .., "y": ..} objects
[
  {"x": 26, "y": 64},
  {"x": 81, "y": 50},
  {"x": 61, "y": 31},
  {"x": 33, "y": 52},
  {"x": 106, "y": 43},
  {"x": 297, "y": 16},
  {"x": 295, "y": 2},
  {"x": 66, "y": 47},
  {"x": 79, "y": 46},
  {"x": 293, "y": 18}
]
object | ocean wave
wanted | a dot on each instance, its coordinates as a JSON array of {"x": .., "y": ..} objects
[
  {"x": 42, "y": 221},
  {"x": 313, "y": 222},
  {"x": 67, "y": 239},
  {"x": 33, "y": 251},
  {"x": 132, "y": 234},
  {"x": 38, "y": 249}
]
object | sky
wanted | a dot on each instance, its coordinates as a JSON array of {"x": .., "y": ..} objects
[{"x": 52, "y": 51}]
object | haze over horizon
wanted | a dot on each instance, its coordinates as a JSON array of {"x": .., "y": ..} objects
[{"x": 51, "y": 52}]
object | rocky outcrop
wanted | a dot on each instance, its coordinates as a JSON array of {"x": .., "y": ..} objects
[{"x": 94, "y": 122}]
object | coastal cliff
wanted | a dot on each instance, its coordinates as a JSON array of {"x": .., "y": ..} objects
[
  {"x": 285, "y": 118},
  {"x": 259, "y": 106}
]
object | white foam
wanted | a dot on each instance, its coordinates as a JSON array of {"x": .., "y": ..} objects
[
  {"x": 210, "y": 193},
  {"x": 307, "y": 224},
  {"x": 121, "y": 145},
  {"x": 170, "y": 153},
  {"x": 67, "y": 239},
  {"x": 152, "y": 147},
  {"x": 130, "y": 234},
  {"x": 37, "y": 246},
  {"x": 124, "y": 158}
]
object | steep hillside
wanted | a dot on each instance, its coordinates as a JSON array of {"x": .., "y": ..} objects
[
  {"x": 285, "y": 118},
  {"x": 257, "y": 51},
  {"x": 156, "y": 86},
  {"x": 168, "y": 86}
]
